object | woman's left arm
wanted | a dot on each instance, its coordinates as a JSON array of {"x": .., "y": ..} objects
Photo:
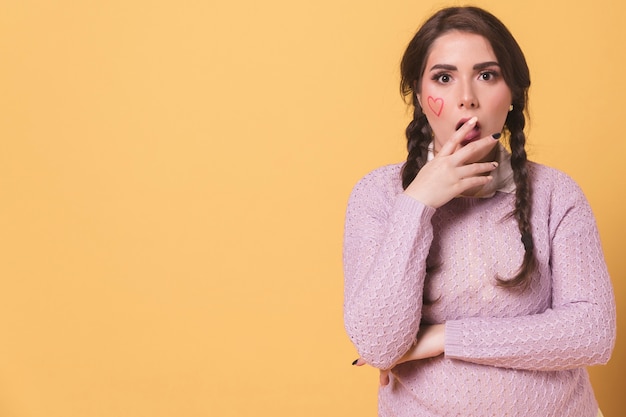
[{"x": 579, "y": 328}]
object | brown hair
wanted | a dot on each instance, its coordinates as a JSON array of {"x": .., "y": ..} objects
[{"x": 516, "y": 75}]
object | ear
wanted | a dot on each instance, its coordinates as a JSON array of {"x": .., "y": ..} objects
[{"x": 419, "y": 98}]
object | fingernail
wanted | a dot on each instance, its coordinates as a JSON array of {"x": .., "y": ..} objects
[
  {"x": 496, "y": 136},
  {"x": 472, "y": 121},
  {"x": 495, "y": 164},
  {"x": 355, "y": 361}
]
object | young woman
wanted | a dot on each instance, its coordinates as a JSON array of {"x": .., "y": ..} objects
[{"x": 474, "y": 279}]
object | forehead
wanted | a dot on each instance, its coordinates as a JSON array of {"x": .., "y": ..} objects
[{"x": 457, "y": 47}]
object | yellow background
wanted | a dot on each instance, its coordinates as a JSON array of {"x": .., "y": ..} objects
[{"x": 173, "y": 180}]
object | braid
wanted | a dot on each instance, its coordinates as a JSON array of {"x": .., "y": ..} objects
[
  {"x": 419, "y": 136},
  {"x": 523, "y": 197}
]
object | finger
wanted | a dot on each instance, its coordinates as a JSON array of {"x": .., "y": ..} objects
[
  {"x": 384, "y": 378},
  {"x": 478, "y": 147},
  {"x": 472, "y": 182},
  {"x": 359, "y": 362},
  {"x": 476, "y": 169},
  {"x": 455, "y": 141}
]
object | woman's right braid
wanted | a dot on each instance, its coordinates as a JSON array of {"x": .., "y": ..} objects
[{"x": 419, "y": 136}]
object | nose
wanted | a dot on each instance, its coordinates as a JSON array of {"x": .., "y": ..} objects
[{"x": 467, "y": 98}]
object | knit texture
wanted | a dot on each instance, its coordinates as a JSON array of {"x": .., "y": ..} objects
[{"x": 507, "y": 352}]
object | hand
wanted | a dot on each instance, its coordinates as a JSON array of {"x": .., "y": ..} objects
[
  {"x": 451, "y": 172},
  {"x": 430, "y": 343}
]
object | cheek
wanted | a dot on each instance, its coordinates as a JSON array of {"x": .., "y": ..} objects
[
  {"x": 433, "y": 102},
  {"x": 502, "y": 101},
  {"x": 435, "y": 105}
]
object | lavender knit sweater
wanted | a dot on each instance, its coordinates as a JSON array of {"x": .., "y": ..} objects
[{"x": 507, "y": 353}]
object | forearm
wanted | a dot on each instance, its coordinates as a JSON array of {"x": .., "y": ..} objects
[
  {"x": 578, "y": 335},
  {"x": 384, "y": 282}
]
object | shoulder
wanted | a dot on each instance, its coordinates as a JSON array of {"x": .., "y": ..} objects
[
  {"x": 556, "y": 194},
  {"x": 383, "y": 180},
  {"x": 548, "y": 181},
  {"x": 378, "y": 188}
]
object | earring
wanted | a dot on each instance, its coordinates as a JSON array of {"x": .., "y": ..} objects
[{"x": 511, "y": 108}]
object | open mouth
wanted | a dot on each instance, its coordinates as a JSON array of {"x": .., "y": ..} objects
[{"x": 463, "y": 121}]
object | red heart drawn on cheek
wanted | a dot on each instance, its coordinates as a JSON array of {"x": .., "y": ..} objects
[{"x": 435, "y": 104}]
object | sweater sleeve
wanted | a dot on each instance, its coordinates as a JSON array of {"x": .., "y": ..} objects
[
  {"x": 578, "y": 329},
  {"x": 386, "y": 242}
]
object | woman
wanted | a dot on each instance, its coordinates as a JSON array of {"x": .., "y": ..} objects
[{"x": 474, "y": 279}]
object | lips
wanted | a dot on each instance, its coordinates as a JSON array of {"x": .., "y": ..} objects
[{"x": 461, "y": 123}]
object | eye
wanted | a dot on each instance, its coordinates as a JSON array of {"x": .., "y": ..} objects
[
  {"x": 442, "y": 77},
  {"x": 488, "y": 75}
]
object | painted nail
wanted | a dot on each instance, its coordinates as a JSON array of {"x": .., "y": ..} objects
[
  {"x": 355, "y": 361},
  {"x": 496, "y": 136}
]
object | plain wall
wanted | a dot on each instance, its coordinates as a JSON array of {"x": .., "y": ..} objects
[{"x": 173, "y": 181}]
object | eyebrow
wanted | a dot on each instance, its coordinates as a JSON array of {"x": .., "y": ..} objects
[{"x": 478, "y": 66}]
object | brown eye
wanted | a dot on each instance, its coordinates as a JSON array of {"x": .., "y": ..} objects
[
  {"x": 442, "y": 78},
  {"x": 488, "y": 76}
]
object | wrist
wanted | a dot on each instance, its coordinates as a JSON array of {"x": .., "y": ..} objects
[
  {"x": 442, "y": 337},
  {"x": 423, "y": 199}
]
